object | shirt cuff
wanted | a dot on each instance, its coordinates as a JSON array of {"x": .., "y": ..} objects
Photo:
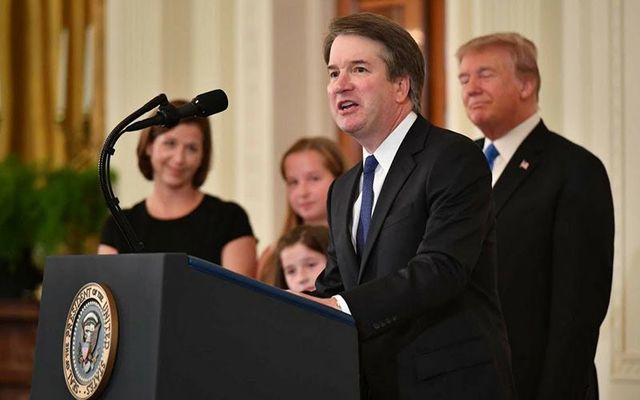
[{"x": 342, "y": 304}]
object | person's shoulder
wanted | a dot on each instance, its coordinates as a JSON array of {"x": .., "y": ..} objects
[
  {"x": 454, "y": 144},
  {"x": 430, "y": 138},
  {"x": 211, "y": 202},
  {"x": 455, "y": 137},
  {"x": 232, "y": 219},
  {"x": 138, "y": 209},
  {"x": 571, "y": 153},
  {"x": 438, "y": 134}
]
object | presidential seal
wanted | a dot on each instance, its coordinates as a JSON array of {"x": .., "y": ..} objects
[{"x": 90, "y": 341}]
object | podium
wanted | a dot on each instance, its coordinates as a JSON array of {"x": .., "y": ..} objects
[{"x": 191, "y": 329}]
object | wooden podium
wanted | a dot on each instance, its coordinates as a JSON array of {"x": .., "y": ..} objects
[
  {"x": 18, "y": 324},
  {"x": 191, "y": 329}
]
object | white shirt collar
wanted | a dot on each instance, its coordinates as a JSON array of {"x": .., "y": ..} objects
[
  {"x": 509, "y": 143},
  {"x": 387, "y": 150}
]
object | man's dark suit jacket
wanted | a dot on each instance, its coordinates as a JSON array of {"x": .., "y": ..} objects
[
  {"x": 424, "y": 293},
  {"x": 555, "y": 232}
]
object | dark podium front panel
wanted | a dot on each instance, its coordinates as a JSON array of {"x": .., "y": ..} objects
[{"x": 191, "y": 329}]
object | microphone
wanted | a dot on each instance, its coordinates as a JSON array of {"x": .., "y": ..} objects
[{"x": 168, "y": 115}]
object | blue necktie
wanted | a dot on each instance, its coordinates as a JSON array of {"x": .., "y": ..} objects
[
  {"x": 491, "y": 153},
  {"x": 366, "y": 206}
]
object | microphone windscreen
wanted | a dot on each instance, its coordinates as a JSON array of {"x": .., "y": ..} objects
[{"x": 211, "y": 102}]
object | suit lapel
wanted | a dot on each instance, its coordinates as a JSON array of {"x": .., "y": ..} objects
[
  {"x": 400, "y": 170},
  {"x": 347, "y": 257},
  {"x": 527, "y": 158}
]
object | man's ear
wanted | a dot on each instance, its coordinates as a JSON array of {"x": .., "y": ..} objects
[
  {"x": 528, "y": 88},
  {"x": 403, "y": 84}
]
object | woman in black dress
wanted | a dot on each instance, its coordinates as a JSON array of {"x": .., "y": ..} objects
[{"x": 177, "y": 216}]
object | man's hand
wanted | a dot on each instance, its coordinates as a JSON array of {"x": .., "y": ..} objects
[{"x": 330, "y": 302}]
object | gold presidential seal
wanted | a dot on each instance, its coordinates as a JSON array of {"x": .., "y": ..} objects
[{"x": 90, "y": 341}]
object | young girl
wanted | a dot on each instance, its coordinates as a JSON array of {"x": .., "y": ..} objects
[
  {"x": 301, "y": 257},
  {"x": 308, "y": 167}
]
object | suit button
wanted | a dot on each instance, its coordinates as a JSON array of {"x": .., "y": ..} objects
[{"x": 376, "y": 325}]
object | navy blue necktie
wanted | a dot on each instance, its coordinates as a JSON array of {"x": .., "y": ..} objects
[
  {"x": 491, "y": 153},
  {"x": 366, "y": 206}
]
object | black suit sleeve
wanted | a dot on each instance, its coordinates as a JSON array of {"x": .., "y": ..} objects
[{"x": 581, "y": 278}]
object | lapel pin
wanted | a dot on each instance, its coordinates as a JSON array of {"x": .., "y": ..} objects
[{"x": 524, "y": 165}]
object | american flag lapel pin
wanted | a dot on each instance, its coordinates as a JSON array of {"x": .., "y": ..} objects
[{"x": 524, "y": 164}]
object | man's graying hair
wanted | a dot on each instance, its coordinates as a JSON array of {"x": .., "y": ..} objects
[{"x": 402, "y": 54}]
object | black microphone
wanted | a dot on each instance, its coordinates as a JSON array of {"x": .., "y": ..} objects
[{"x": 168, "y": 115}]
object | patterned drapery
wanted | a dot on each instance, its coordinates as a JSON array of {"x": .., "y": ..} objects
[{"x": 51, "y": 81}]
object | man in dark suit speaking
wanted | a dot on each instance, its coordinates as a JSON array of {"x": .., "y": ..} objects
[
  {"x": 555, "y": 223},
  {"x": 412, "y": 250}
]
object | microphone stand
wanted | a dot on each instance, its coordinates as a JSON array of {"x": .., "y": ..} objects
[{"x": 104, "y": 174}]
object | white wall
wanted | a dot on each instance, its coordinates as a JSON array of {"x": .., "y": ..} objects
[
  {"x": 588, "y": 56},
  {"x": 265, "y": 54}
]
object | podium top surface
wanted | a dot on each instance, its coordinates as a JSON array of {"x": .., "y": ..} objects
[{"x": 223, "y": 273}]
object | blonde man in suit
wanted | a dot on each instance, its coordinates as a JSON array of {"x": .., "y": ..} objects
[{"x": 555, "y": 222}]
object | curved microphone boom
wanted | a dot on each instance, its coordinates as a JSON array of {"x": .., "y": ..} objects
[
  {"x": 104, "y": 173},
  {"x": 168, "y": 115}
]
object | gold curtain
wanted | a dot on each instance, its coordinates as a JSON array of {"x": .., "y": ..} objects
[{"x": 51, "y": 80}]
